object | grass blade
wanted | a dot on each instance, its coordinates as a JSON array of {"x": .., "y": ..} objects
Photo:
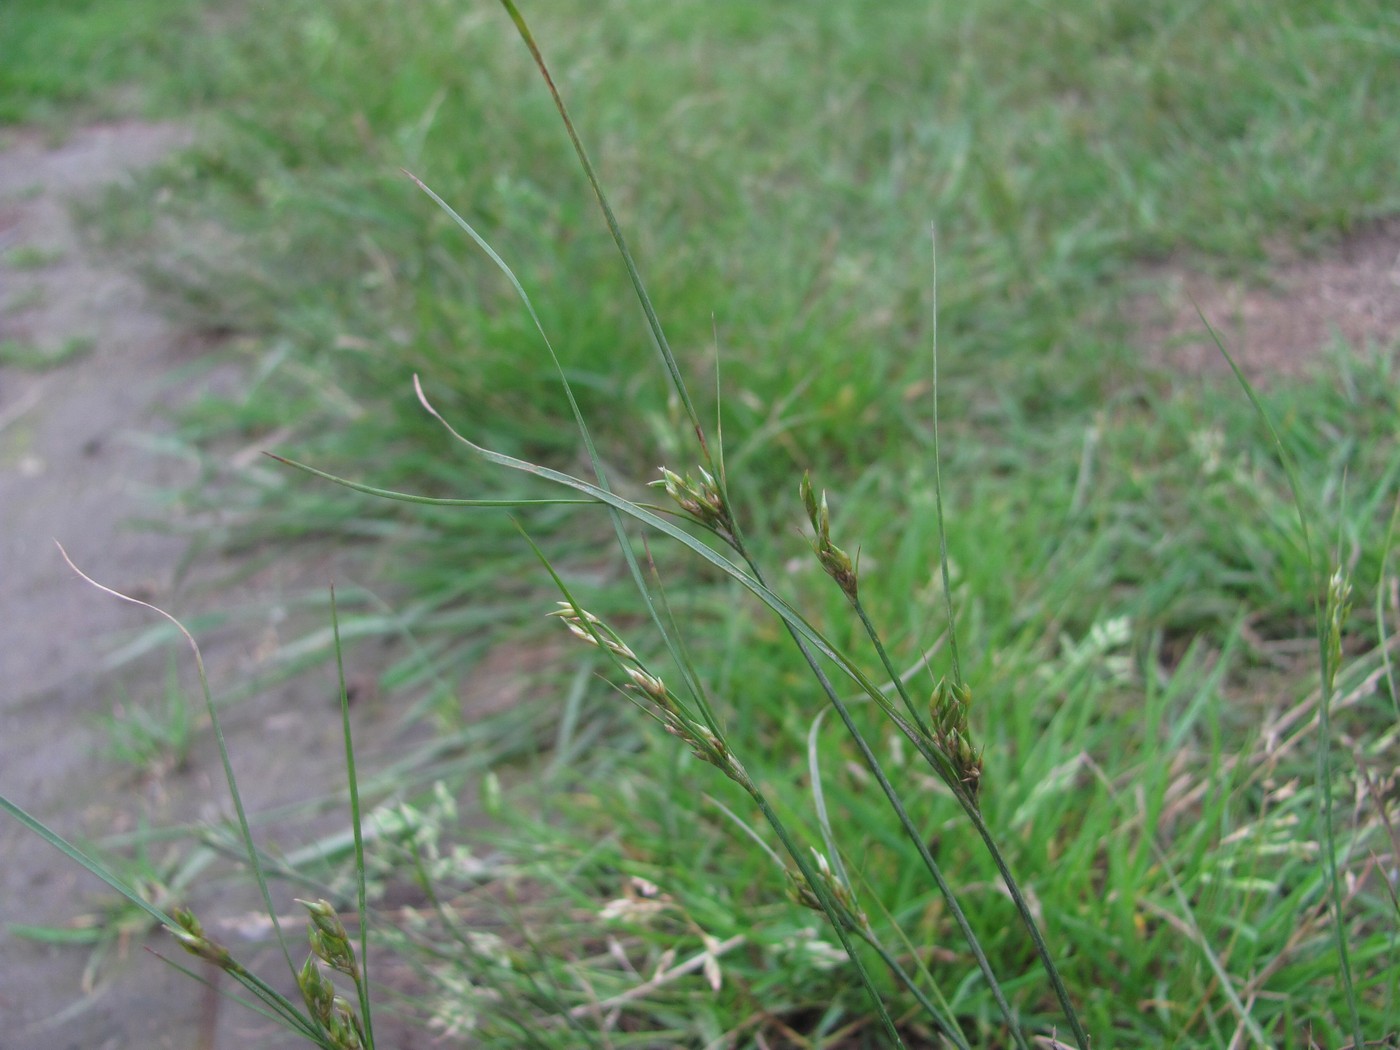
[
  {"x": 357, "y": 825},
  {"x": 653, "y": 322},
  {"x": 217, "y": 725},
  {"x": 1327, "y": 670}
]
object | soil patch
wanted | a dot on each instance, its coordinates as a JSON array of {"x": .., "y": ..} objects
[
  {"x": 88, "y": 374},
  {"x": 1281, "y": 329}
]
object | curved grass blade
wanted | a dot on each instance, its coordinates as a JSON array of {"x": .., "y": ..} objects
[
  {"x": 432, "y": 501},
  {"x": 244, "y": 827},
  {"x": 619, "y": 530},
  {"x": 357, "y": 825},
  {"x": 654, "y": 521},
  {"x": 93, "y": 865}
]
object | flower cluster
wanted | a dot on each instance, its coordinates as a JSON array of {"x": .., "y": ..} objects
[
  {"x": 701, "y": 499},
  {"x": 835, "y": 561},
  {"x": 331, "y": 945},
  {"x": 704, "y": 743},
  {"x": 190, "y": 934},
  {"x": 846, "y": 910},
  {"x": 948, "y": 708}
]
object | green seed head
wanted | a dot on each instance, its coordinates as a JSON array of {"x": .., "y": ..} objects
[
  {"x": 316, "y": 991},
  {"x": 701, "y": 499},
  {"x": 328, "y": 938}
]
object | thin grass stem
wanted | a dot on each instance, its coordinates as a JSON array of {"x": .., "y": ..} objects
[
  {"x": 898, "y": 681},
  {"x": 1327, "y": 672},
  {"x": 216, "y": 724},
  {"x": 938, "y": 474},
  {"x": 653, "y": 322},
  {"x": 356, "y": 824}
]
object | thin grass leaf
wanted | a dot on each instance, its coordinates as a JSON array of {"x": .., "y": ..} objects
[
  {"x": 1382, "y": 638},
  {"x": 357, "y": 825},
  {"x": 814, "y": 775},
  {"x": 1327, "y": 672},
  {"x": 433, "y": 501},
  {"x": 245, "y": 829},
  {"x": 269, "y": 1003},
  {"x": 91, "y": 864},
  {"x": 653, "y": 322}
]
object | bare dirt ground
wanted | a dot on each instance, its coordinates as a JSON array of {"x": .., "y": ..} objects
[
  {"x": 1351, "y": 296},
  {"x": 76, "y": 462}
]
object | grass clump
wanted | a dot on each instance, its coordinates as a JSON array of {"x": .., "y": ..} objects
[
  {"x": 64, "y": 60},
  {"x": 1054, "y": 172},
  {"x": 1063, "y": 784}
]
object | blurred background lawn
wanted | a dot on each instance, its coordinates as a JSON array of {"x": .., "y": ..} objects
[{"x": 1132, "y": 588}]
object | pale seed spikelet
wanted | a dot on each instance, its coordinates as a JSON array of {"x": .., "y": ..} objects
[
  {"x": 652, "y": 687},
  {"x": 848, "y": 913},
  {"x": 587, "y": 627},
  {"x": 836, "y": 562},
  {"x": 333, "y": 1012},
  {"x": 331, "y": 946},
  {"x": 700, "y": 499},
  {"x": 708, "y": 747},
  {"x": 344, "y": 1027},
  {"x": 1337, "y": 610},
  {"x": 190, "y": 934},
  {"x": 329, "y": 941},
  {"x": 316, "y": 991},
  {"x": 668, "y": 710},
  {"x": 948, "y": 709}
]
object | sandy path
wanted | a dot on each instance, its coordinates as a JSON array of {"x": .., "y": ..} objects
[{"x": 75, "y": 464}]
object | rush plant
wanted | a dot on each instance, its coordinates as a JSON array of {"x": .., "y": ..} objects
[{"x": 940, "y": 733}]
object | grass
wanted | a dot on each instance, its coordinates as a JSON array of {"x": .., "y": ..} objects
[
  {"x": 1049, "y": 188},
  {"x": 154, "y": 737},
  {"x": 15, "y": 354},
  {"x": 84, "y": 59},
  {"x": 1134, "y": 600}
]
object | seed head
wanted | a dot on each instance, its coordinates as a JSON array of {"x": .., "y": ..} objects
[
  {"x": 589, "y": 628},
  {"x": 847, "y": 912},
  {"x": 317, "y": 992},
  {"x": 948, "y": 709},
  {"x": 836, "y": 562},
  {"x": 190, "y": 934},
  {"x": 1338, "y": 609},
  {"x": 700, "y": 498},
  {"x": 329, "y": 941}
]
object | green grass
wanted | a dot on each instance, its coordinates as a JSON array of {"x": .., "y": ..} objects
[
  {"x": 153, "y": 736},
  {"x": 16, "y": 354},
  {"x": 1134, "y": 601},
  {"x": 62, "y": 61},
  {"x": 781, "y": 225}
]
